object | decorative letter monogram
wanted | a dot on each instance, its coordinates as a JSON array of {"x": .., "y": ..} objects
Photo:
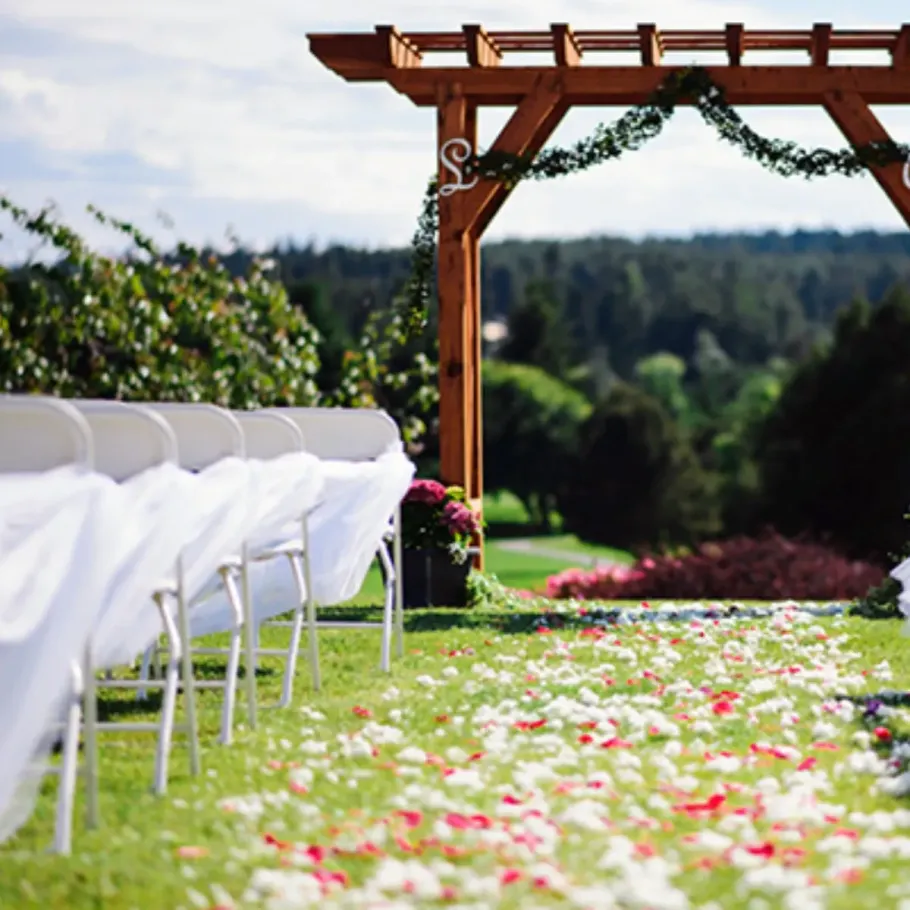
[{"x": 461, "y": 152}]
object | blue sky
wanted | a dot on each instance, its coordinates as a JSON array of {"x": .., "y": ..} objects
[{"x": 213, "y": 112}]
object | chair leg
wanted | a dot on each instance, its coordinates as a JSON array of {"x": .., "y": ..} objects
[
  {"x": 290, "y": 666},
  {"x": 69, "y": 769},
  {"x": 233, "y": 663},
  {"x": 256, "y": 639},
  {"x": 187, "y": 678},
  {"x": 169, "y": 697},
  {"x": 249, "y": 634},
  {"x": 90, "y": 714},
  {"x": 399, "y": 584},
  {"x": 388, "y": 608},
  {"x": 150, "y": 660},
  {"x": 312, "y": 639}
]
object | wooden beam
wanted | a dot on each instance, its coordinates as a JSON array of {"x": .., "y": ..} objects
[
  {"x": 482, "y": 49},
  {"x": 625, "y": 85},
  {"x": 566, "y": 47},
  {"x": 900, "y": 53},
  {"x": 455, "y": 287},
  {"x": 529, "y": 127},
  {"x": 649, "y": 43},
  {"x": 820, "y": 43},
  {"x": 861, "y": 127},
  {"x": 395, "y": 50},
  {"x": 735, "y": 42}
]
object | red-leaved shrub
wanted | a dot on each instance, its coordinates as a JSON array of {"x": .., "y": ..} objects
[{"x": 769, "y": 567}]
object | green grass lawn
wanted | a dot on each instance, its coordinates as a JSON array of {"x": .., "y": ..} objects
[
  {"x": 525, "y": 571},
  {"x": 677, "y": 766}
]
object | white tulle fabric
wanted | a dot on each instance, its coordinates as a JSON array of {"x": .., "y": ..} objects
[
  {"x": 285, "y": 489},
  {"x": 81, "y": 556},
  {"x": 199, "y": 519},
  {"x": 348, "y": 525},
  {"x": 347, "y": 520},
  {"x": 57, "y": 531},
  {"x": 103, "y": 550}
]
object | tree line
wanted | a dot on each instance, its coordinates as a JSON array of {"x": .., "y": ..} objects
[
  {"x": 687, "y": 388},
  {"x": 644, "y": 394}
]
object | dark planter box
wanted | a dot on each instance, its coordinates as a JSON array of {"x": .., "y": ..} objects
[{"x": 431, "y": 579}]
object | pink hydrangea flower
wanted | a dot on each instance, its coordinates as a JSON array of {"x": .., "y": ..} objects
[{"x": 429, "y": 492}]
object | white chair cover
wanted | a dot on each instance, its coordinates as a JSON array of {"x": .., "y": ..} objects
[
  {"x": 172, "y": 511},
  {"x": 351, "y": 519},
  {"x": 56, "y": 533},
  {"x": 285, "y": 488}
]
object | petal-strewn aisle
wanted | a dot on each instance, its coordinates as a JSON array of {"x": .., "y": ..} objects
[{"x": 707, "y": 763}]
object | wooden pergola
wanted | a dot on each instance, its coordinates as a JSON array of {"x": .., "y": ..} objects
[{"x": 541, "y": 95}]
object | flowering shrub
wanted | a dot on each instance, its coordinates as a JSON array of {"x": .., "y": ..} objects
[
  {"x": 769, "y": 567},
  {"x": 434, "y": 516}
]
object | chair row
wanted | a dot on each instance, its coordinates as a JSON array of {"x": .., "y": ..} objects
[{"x": 125, "y": 526}]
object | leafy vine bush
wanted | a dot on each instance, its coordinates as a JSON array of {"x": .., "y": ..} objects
[
  {"x": 394, "y": 369},
  {"x": 149, "y": 326},
  {"x": 769, "y": 567}
]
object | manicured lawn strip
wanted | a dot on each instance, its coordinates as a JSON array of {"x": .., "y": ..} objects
[
  {"x": 572, "y": 545},
  {"x": 465, "y": 670},
  {"x": 524, "y": 571}
]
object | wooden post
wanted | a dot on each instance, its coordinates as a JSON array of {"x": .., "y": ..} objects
[
  {"x": 460, "y": 440},
  {"x": 465, "y": 209}
]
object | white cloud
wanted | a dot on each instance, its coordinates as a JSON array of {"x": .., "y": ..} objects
[{"x": 225, "y": 97}]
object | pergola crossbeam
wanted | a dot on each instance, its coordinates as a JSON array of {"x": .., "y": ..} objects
[
  {"x": 541, "y": 96},
  {"x": 482, "y": 49},
  {"x": 650, "y": 45},
  {"x": 566, "y": 47},
  {"x": 900, "y": 51},
  {"x": 820, "y": 44},
  {"x": 736, "y": 43}
]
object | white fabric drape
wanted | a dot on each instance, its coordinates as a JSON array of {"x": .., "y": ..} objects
[
  {"x": 346, "y": 525},
  {"x": 81, "y": 555},
  {"x": 56, "y": 530},
  {"x": 172, "y": 513},
  {"x": 283, "y": 490}
]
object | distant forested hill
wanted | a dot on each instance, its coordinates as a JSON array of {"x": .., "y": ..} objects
[{"x": 760, "y": 296}]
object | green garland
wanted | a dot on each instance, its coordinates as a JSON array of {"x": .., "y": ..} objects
[{"x": 629, "y": 133}]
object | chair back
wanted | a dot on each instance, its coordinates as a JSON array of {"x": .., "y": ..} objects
[
  {"x": 128, "y": 439},
  {"x": 345, "y": 434},
  {"x": 205, "y": 433},
  {"x": 40, "y": 434},
  {"x": 268, "y": 434}
]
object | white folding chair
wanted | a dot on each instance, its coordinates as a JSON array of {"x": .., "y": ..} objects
[
  {"x": 39, "y": 435},
  {"x": 206, "y": 435},
  {"x": 287, "y": 484},
  {"x": 269, "y": 435},
  {"x": 129, "y": 440},
  {"x": 358, "y": 435}
]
